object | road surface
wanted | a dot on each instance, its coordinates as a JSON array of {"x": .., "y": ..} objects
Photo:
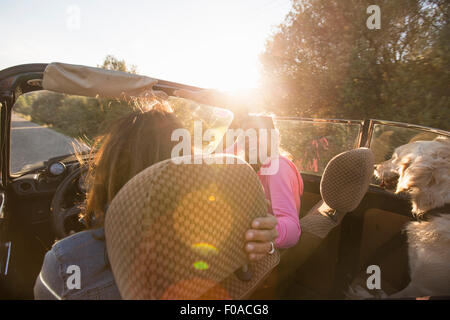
[{"x": 31, "y": 143}]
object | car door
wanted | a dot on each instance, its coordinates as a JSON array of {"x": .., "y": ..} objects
[
  {"x": 5, "y": 243},
  {"x": 311, "y": 144},
  {"x": 383, "y": 214},
  {"x": 365, "y": 232},
  {"x": 14, "y": 82}
]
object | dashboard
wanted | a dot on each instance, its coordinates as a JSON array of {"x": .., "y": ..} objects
[
  {"x": 33, "y": 192},
  {"x": 44, "y": 181}
]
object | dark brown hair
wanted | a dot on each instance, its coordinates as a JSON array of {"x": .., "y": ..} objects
[{"x": 132, "y": 143}]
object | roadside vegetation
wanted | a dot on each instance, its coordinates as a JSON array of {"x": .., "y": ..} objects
[{"x": 321, "y": 62}]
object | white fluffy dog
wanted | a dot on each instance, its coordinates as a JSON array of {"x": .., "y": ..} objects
[{"x": 422, "y": 170}]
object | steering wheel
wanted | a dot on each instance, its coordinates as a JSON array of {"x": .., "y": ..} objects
[{"x": 59, "y": 213}]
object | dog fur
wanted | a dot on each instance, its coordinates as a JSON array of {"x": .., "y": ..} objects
[{"x": 422, "y": 170}]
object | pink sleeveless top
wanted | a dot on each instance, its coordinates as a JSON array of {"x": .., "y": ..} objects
[{"x": 284, "y": 189}]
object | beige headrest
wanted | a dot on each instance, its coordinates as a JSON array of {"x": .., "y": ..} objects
[
  {"x": 176, "y": 231},
  {"x": 346, "y": 179}
]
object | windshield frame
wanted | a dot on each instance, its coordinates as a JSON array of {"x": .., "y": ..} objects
[{"x": 373, "y": 122}]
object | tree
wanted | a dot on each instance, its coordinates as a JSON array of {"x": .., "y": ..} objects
[
  {"x": 323, "y": 61},
  {"x": 112, "y": 63}
]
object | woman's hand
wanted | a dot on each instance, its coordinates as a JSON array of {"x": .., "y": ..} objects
[{"x": 260, "y": 236}]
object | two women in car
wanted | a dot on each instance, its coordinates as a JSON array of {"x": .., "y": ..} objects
[{"x": 132, "y": 144}]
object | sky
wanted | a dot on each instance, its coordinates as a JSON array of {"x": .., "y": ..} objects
[{"x": 206, "y": 43}]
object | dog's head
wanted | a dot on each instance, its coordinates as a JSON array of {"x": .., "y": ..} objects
[{"x": 421, "y": 169}]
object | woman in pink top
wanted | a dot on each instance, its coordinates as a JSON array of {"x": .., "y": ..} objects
[
  {"x": 283, "y": 185},
  {"x": 283, "y": 189}
]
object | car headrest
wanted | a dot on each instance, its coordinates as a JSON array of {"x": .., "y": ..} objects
[
  {"x": 176, "y": 231},
  {"x": 346, "y": 179}
]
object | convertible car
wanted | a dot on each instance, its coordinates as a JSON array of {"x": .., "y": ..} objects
[{"x": 51, "y": 111}]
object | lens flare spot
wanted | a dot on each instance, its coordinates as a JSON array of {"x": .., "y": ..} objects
[
  {"x": 194, "y": 210},
  {"x": 195, "y": 289},
  {"x": 204, "y": 248},
  {"x": 201, "y": 265}
]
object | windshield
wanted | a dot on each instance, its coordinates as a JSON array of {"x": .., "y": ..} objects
[
  {"x": 311, "y": 145},
  {"x": 47, "y": 124}
]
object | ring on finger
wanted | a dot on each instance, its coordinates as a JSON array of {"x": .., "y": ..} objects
[{"x": 272, "y": 248}]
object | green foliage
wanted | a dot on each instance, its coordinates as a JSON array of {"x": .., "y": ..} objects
[
  {"x": 112, "y": 63},
  {"x": 324, "y": 62},
  {"x": 75, "y": 116}
]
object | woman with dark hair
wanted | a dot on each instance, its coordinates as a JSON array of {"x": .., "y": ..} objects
[{"x": 132, "y": 143}]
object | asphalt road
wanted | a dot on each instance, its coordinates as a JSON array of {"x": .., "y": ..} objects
[{"x": 31, "y": 143}]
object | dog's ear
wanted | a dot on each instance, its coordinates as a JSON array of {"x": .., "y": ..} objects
[
  {"x": 415, "y": 176},
  {"x": 403, "y": 166}
]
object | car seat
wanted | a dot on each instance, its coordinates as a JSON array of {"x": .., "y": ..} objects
[
  {"x": 176, "y": 231},
  {"x": 343, "y": 185}
]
